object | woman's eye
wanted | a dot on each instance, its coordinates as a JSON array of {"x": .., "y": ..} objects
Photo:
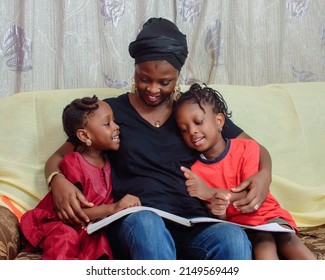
[
  {"x": 144, "y": 80},
  {"x": 198, "y": 122},
  {"x": 165, "y": 83}
]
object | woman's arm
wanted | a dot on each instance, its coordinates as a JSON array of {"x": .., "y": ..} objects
[
  {"x": 258, "y": 184},
  {"x": 67, "y": 198}
]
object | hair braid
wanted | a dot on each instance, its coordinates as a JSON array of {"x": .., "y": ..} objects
[{"x": 75, "y": 115}]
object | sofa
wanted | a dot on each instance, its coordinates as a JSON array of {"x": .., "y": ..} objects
[{"x": 288, "y": 119}]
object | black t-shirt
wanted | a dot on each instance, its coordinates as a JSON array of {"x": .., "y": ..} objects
[{"x": 148, "y": 162}]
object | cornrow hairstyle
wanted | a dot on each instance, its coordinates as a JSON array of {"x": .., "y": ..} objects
[
  {"x": 205, "y": 95},
  {"x": 75, "y": 115}
]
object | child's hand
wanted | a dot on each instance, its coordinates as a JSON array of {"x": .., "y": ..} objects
[
  {"x": 126, "y": 202},
  {"x": 219, "y": 204},
  {"x": 196, "y": 186}
]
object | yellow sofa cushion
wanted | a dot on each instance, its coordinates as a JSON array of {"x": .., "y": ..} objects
[{"x": 288, "y": 119}]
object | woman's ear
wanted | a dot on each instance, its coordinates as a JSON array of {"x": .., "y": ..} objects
[{"x": 82, "y": 135}]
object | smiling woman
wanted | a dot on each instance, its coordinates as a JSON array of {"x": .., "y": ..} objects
[{"x": 148, "y": 166}]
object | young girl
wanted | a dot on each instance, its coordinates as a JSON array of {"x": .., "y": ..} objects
[
  {"x": 200, "y": 114},
  {"x": 91, "y": 128}
]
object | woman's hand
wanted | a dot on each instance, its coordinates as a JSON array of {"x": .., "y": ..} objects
[
  {"x": 258, "y": 187},
  {"x": 67, "y": 200}
]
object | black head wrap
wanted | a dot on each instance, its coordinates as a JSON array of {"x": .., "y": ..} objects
[{"x": 160, "y": 39}]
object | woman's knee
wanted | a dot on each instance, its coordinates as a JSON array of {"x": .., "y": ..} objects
[
  {"x": 144, "y": 226},
  {"x": 223, "y": 241},
  {"x": 232, "y": 233},
  {"x": 144, "y": 221},
  {"x": 145, "y": 236}
]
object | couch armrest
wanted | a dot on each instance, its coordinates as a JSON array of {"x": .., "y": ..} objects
[{"x": 9, "y": 234}]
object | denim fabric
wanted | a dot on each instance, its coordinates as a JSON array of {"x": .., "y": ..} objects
[{"x": 145, "y": 236}]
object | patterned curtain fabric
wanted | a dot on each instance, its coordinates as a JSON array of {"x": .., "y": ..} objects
[{"x": 47, "y": 45}]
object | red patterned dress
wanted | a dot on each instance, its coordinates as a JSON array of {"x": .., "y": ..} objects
[{"x": 42, "y": 228}]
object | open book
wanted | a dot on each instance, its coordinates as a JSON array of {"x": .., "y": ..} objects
[{"x": 92, "y": 227}]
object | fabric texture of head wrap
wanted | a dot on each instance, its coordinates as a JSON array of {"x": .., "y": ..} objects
[{"x": 160, "y": 39}]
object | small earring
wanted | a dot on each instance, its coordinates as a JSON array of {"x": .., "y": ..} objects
[
  {"x": 133, "y": 88},
  {"x": 177, "y": 91},
  {"x": 88, "y": 142}
]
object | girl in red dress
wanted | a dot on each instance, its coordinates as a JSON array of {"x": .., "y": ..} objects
[{"x": 90, "y": 126}]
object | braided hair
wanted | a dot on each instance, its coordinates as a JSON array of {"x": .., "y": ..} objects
[
  {"x": 75, "y": 115},
  {"x": 205, "y": 95}
]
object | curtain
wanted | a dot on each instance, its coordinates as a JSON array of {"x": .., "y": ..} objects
[{"x": 57, "y": 44}]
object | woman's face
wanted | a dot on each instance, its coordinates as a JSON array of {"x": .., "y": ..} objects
[{"x": 155, "y": 81}]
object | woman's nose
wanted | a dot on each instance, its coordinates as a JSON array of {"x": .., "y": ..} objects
[{"x": 154, "y": 88}]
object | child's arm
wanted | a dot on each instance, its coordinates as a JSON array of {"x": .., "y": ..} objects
[
  {"x": 103, "y": 210},
  {"x": 197, "y": 187},
  {"x": 217, "y": 199}
]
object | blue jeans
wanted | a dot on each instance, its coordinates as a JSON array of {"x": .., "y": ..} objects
[{"x": 146, "y": 236}]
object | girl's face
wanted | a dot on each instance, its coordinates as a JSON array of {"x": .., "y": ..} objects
[
  {"x": 102, "y": 129},
  {"x": 155, "y": 81},
  {"x": 201, "y": 130}
]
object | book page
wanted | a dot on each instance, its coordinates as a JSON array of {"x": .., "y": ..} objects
[
  {"x": 108, "y": 220},
  {"x": 92, "y": 227},
  {"x": 271, "y": 227}
]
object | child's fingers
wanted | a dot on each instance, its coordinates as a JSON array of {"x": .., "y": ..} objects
[
  {"x": 187, "y": 172},
  {"x": 185, "y": 169},
  {"x": 222, "y": 196}
]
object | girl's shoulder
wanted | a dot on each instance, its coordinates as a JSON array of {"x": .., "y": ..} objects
[
  {"x": 246, "y": 144},
  {"x": 72, "y": 156}
]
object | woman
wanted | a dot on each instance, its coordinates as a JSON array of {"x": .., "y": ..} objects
[{"x": 148, "y": 163}]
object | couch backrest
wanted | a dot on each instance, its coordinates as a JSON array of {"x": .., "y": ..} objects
[{"x": 288, "y": 119}]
